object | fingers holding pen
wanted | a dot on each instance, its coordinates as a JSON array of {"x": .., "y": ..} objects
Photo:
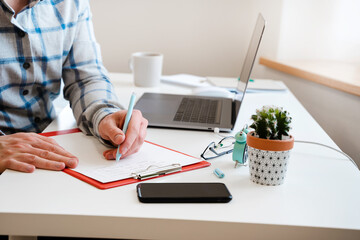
[
  {"x": 134, "y": 138},
  {"x": 110, "y": 127}
]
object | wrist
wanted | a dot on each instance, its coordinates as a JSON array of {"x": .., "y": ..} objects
[{"x": 99, "y": 116}]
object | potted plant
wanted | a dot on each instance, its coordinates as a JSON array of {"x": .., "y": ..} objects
[{"x": 269, "y": 145}]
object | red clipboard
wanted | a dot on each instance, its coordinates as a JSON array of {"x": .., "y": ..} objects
[{"x": 122, "y": 182}]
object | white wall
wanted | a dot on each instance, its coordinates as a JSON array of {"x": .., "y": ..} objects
[
  {"x": 210, "y": 38},
  {"x": 203, "y": 37},
  {"x": 321, "y": 29},
  {"x": 337, "y": 112}
]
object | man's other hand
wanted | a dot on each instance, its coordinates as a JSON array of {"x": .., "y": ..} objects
[{"x": 26, "y": 151}]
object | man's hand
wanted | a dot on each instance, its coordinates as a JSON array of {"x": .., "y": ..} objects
[
  {"x": 26, "y": 151},
  {"x": 110, "y": 129}
]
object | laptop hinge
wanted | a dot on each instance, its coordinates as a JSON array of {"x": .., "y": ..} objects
[{"x": 235, "y": 106}]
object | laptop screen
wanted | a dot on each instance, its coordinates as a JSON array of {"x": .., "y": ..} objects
[{"x": 251, "y": 55}]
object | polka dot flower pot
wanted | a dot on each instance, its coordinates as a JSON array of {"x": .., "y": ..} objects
[{"x": 268, "y": 159}]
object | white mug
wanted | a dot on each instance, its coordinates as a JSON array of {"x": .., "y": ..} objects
[{"x": 146, "y": 68}]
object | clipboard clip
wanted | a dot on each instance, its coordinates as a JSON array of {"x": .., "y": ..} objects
[{"x": 155, "y": 171}]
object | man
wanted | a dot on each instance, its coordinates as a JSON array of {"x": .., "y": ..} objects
[{"x": 41, "y": 43}]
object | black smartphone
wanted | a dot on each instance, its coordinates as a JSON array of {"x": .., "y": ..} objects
[{"x": 183, "y": 193}]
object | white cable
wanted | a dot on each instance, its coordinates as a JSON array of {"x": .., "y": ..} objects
[
  {"x": 300, "y": 141},
  {"x": 217, "y": 132}
]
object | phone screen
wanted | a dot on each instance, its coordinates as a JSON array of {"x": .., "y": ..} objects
[{"x": 183, "y": 193}]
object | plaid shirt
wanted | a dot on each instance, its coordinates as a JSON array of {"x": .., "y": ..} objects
[{"x": 50, "y": 41}]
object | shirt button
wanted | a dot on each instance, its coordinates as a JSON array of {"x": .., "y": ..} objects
[
  {"x": 26, "y": 65},
  {"x": 25, "y": 92},
  {"x": 37, "y": 120}
]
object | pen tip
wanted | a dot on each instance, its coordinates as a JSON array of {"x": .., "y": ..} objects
[
  {"x": 118, "y": 154},
  {"x": 118, "y": 157}
]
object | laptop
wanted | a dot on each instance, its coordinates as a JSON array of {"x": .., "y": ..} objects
[{"x": 201, "y": 112}]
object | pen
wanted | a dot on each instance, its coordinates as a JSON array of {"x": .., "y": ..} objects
[
  {"x": 250, "y": 80},
  {"x": 127, "y": 120}
]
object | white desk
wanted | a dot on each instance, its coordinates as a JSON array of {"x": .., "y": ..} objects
[{"x": 319, "y": 200}]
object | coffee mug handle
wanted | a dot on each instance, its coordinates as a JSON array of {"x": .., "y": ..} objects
[{"x": 131, "y": 64}]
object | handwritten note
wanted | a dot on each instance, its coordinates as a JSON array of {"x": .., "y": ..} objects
[{"x": 92, "y": 163}]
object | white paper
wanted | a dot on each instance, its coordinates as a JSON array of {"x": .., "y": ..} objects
[
  {"x": 187, "y": 80},
  {"x": 255, "y": 85},
  {"x": 92, "y": 163},
  {"x": 266, "y": 84}
]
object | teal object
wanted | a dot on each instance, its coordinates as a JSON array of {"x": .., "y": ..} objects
[
  {"x": 239, "y": 154},
  {"x": 250, "y": 80},
  {"x": 127, "y": 120},
  {"x": 219, "y": 173}
]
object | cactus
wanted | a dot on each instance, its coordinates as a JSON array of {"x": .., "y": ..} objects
[{"x": 271, "y": 122}]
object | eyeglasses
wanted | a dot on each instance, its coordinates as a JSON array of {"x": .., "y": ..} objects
[{"x": 225, "y": 146}]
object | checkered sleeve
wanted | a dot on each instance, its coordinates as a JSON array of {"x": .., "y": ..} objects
[{"x": 87, "y": 85}]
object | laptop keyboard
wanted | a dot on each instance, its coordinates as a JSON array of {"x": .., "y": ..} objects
[{"x": 198, "y": 110}]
